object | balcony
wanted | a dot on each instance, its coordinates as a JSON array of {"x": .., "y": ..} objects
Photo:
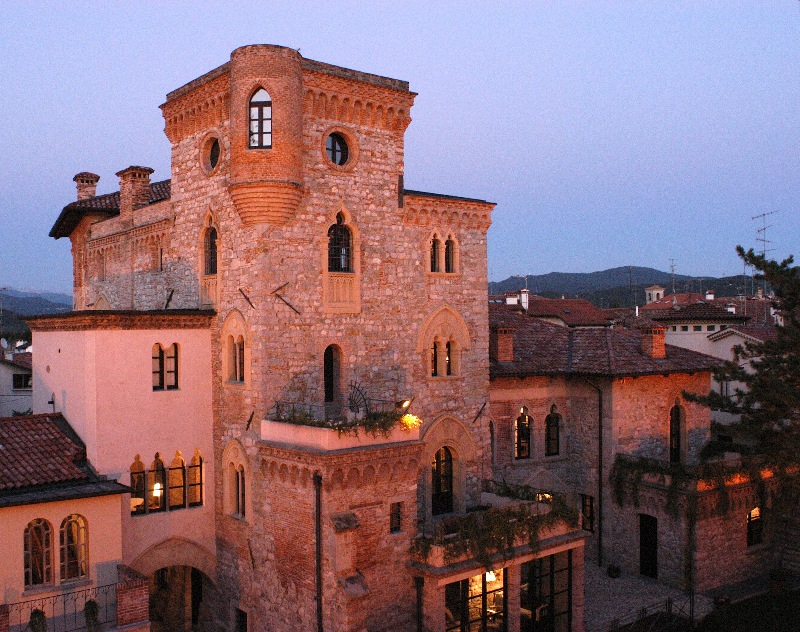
[
  {"x": 335, "y": 426},
  {"x": 509, "y": 518},
  {"x": 67, "y": 612}
]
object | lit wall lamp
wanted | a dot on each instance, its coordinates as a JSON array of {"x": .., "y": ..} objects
[{"x": 404, "y": 404}]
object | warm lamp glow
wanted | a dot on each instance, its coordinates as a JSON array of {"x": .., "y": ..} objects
[
  {"x": 157, "y": 490},
  {"x": 490, "y": 576},
  {"x": 408, "y": 422}
]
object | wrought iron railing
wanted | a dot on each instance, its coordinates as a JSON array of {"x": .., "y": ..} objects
[
  {"x": 67, "y": 612},
  {"x": 670, "y": 615},
  {"x": 330, "y": 414}
]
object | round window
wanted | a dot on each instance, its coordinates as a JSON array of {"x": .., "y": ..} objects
[
  {"x": 213, "y": 153},
  {"x": 336, "y": 146},
  {"x": 210, "y": 154}
]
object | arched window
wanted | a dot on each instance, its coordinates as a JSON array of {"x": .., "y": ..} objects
[
  {"x": 435, "y": 359},
  {"x": 522, "y": 435},
  {"x": 195, "y": 486},
  {"x": 442, "y": 482},
  {"x": 156, "y": 485},
  {"x": 236, "y": 359},
  {"x": 210, "y": 252},
  {"x": 443, "y": 338},
  {"x": 234, "y": 461},
  {"x": 240, "y": 492},
  {"x": 138, "y": 485},
  {"x": 339, "y": 250},
  {"x": 332, "y": 373},
  {"x": 448, "y": 365},
  {"x": 177, "y": 482},
  {"x": 675, "y": 423},
  {"x": 436, "y": 247},
  {"x": 260, "y": 120},
  {"x": 38, "y": 552},
  {"x": 450, "y": 255},
  {"x": 74, "y": 540},
  {"x": 551, "y": 432},
  {"x": 158, "y": 368},
  {"x": 755, "y": 528}
]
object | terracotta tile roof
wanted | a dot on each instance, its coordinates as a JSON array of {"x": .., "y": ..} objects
[
  {"x": 574, "y": 312},
  {"x": 683, "y": 298},
  {"x": 694, "y": 312},
  {"x": 42, "y": 459},
  {"x": 23, "y": 360},
  {"x": 39, "y": 449},
  {"x": 107, "y": 204},
  {"x": 541, "y": 348},
  {"x": 760, "y": 333}
]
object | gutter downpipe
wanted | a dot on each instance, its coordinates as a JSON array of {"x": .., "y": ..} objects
[
  {"x": 318, "y": 545},
  {"x": 599, "y": 471}
]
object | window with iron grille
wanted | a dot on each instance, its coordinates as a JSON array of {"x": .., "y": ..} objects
[
  {"x": 210, "y": 251},
  {"x": 450, "y": 256},
  {"x": 442, "y": 487},
  {"x": 436, "y": 245},
  {"x": 339, "y": 248},
  {"x": 260, "y": 120}
]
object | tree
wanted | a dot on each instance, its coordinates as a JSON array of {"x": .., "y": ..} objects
[{"x": 768, "y": 399}]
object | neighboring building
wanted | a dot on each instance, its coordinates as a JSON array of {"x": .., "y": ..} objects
[
  {"x": 62, "y": 538},
  {"x": 281, "y": 291},
  {"x": 15, "y": 384},
  {"x": 581, "y": 411}
]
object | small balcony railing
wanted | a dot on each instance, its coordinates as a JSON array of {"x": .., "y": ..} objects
[
  {"x": 67, "y": 612},
  {"x": 331, "y": 414}
]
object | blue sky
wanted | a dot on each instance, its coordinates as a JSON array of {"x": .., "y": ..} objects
[{"x": 608, "y": 133}]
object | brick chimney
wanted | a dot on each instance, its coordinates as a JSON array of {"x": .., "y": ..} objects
[
  {"x": 501, "y": 344},
  {"x": 87, "y": 184},
  {"x": 653, "y": 342},
  {"x": 134, "y": 190}
]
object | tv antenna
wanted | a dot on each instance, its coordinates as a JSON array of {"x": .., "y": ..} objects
[
  {"x": 761, "y": 236},
  {"x": 672, "y": 269}
]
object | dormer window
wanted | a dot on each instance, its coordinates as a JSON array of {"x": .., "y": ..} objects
[{"x": 260, "y": 120}]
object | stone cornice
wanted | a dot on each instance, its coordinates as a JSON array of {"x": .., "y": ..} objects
[{"x": 123, "y": 319}]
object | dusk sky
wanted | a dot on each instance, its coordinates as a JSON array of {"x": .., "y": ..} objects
[{"x": 608, "y": 133}]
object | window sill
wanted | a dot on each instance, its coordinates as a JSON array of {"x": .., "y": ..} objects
[
  {"x": 445, "y": 378},
  {"x": 538, "y": 461},
  {"x": 238, "y": 518},
  {"x": 755, "y": 549},
  {"x": 442, "y": 275}
]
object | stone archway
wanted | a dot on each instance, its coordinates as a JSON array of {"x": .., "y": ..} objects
[{"x": 182, "y": 592}]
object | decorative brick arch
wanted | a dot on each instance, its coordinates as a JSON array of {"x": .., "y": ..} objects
[
  {"x": 176, "y": 552},
  {"x": 233, "y": 329}
]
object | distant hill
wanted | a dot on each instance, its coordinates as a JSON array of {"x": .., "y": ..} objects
[
  {"x": 18, "y": 304},
  {"x": 619, "y": 287}
]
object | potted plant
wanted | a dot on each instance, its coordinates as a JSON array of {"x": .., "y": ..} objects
[
  {"x": 92, "y": 613},
  {"x": 38, "y": 621}
]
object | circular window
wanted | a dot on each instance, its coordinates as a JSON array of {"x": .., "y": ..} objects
[
  {"x": 336, "y": 147},
  {"x": 211, "y": 154}
]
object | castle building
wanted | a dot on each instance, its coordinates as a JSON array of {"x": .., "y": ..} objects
[{"x": 284, "y": 353}]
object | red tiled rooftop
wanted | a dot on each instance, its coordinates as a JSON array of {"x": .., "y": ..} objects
[
  {"x": 541, "y": 348},
  {"x": 107, "y": 204},
  {"x": 39, "y": 450},
  {"x": 574, "y": 312}
]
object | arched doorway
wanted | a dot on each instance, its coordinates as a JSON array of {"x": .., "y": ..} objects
[{"x": 182, "y": 599}]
